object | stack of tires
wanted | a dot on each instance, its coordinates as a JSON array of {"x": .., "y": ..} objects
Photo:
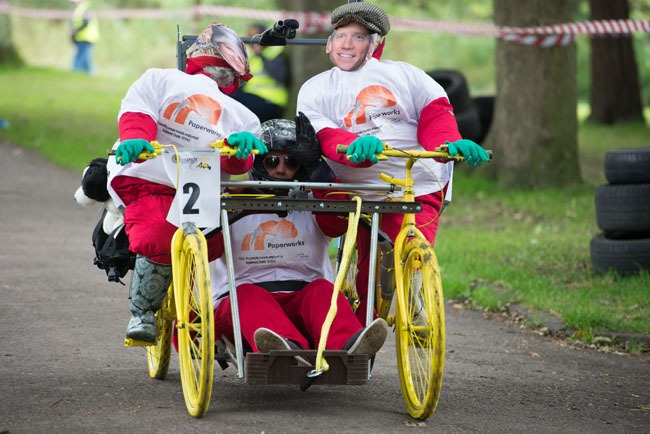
[
  {"x": 623, "y": 214},
  {"x": 473, "y": 115}
]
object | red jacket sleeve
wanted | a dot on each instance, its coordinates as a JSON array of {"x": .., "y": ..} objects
[
  {"x": 137, "y": 126},
  {"x": 332, "y": 225},
  {"x": 236, "y": 166},
  {"x": 437, "y": 124},
  {"x": 331, "y": 137}
]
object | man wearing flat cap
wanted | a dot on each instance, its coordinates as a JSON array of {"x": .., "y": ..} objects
[{"x": 363, "y": 102}]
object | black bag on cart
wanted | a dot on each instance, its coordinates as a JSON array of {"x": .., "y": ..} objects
[{"x": 112, "y": 252}]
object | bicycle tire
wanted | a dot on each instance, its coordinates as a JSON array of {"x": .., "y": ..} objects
[
  {"x": 158, "y": 355},
  {"x": 420, "y": 340},
  {"x": 194, "y": 319}
]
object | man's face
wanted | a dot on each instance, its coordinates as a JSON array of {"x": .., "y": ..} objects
[
  {"x": 234, "y": 56},
  {"x": 350, "y": 46}
]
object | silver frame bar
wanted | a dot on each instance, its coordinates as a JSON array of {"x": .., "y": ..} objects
[{"x": 234, "y": 306}]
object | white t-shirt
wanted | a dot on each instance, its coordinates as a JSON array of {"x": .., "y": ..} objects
[
  {"x": 384, "y": 99},
  {"x": 189, "y": 110},
  {"x": 267, "y": 248}
]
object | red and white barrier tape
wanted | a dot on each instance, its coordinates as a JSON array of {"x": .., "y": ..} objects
[
  {"x": 317, "y": 22},
  {"x": 563, "y": 34}
]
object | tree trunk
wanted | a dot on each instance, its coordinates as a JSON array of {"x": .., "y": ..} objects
[
  {"x": 306, "y": 61},
  {"x": 8, "y": 53},
  {"x": 615, "y": 91},
  {"x": 535, "y": 127}
]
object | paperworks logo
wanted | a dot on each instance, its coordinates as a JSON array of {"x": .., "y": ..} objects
[
  {"x": 256, "y": 239},
  {"x": 204, "y": 106},
  {"x": 375, "y": 96}
]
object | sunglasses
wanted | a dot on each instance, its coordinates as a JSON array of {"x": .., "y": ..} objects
[{"x": 273, "y": 161}]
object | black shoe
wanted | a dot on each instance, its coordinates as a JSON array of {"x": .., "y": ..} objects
[
  {"x": 267, "y": 340},
  {"x": 368, "y": 340}
]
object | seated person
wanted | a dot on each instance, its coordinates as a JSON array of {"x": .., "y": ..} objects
[{"x": 282, "y": 269}]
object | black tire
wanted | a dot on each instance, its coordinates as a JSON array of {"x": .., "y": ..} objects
[
  {"x": 622, "y": 255},
  {"x": 628, "y": 166},
  {"x": 485, "y": 107},
  {"x": 623, "y": 208},
  {"x": 469, "y": 124},
  {"x": 454, "y": 83}
]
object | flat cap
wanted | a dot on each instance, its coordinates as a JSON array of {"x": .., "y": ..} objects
[{"x": 366, "y": 14}]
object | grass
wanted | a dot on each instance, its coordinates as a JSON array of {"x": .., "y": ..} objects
[
  {"x": 532, "y": 248},
  {"x": 66, "y": 117},
  {"x": 495, "y": 247}
]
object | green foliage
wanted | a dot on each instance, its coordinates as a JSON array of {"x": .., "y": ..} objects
[
  {"x": 635, "y": 347},
  {"x": 533, "y": 248},
  {"x": 128, "y": 47},
  {"x": 69, "y": 118}
]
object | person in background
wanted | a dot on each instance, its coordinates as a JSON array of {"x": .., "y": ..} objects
[
  {"x": 283, "y": 273},
  {"x": 188, "y": 108},
  {"x": 362, "y": 102},
  {"x": 84, "y": 32},
  {"x": 267, "y": 93}
]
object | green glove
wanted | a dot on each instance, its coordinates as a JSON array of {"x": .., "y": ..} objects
[
  {"x": 474, "y": 154},
  {"x": 129, "y": 150},
  {"x": 245, "y": 142},
  {"x": 365, "y": 148}
]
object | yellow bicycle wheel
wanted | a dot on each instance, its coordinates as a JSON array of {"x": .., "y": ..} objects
[
  {"x": 420, "y": 328},
  {"x": 158, "y": 355},
  {"x": 194, "y": 319}
]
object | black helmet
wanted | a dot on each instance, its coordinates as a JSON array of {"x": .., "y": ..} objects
[
  {"x": 277, "y": 135},
  {"x": 280, "y": 135},
  {"x": 299, "y": 141}
]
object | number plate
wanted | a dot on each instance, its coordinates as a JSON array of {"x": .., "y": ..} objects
[{"x": 198, "y": 190}]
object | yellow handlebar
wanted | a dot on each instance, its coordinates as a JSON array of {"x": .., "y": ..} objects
[
  {"x": 441, "y": 153},
  {"x": 224, "y": 150}
]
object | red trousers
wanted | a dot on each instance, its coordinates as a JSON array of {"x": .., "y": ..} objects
[
  {"x": 297, "y": 315},
  {"x": 426, "y": 221},
  {"x": 145, "y": 219}
]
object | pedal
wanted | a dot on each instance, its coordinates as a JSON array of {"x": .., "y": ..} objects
[{"x": 128, "y": 342}]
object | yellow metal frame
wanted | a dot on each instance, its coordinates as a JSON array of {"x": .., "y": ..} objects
[{"x": 420, "y": 346}]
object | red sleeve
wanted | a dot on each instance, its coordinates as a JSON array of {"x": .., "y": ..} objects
[
  {"x": 437, "y": 124},
  {"x": 332, "y": 225},
  {"x": 137, "y": 126},
  {"x": 236, "y": 166},
  {"x": 379, "y": 50},
  {"x": 331, "y": 137}
]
